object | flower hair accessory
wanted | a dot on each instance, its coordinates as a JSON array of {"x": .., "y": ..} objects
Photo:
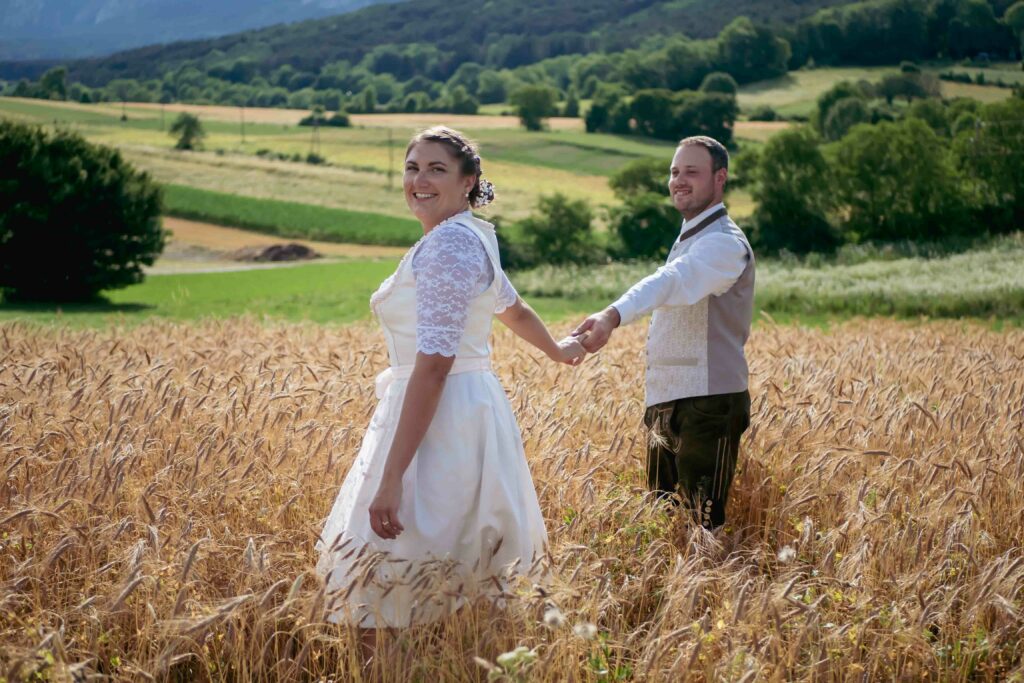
[{"x": 485, "y": 193}]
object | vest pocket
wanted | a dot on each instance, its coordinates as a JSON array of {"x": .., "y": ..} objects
[{"x": 677, "y": 361}]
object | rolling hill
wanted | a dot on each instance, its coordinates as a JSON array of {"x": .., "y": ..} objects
[{"x": 35, "y": 29}]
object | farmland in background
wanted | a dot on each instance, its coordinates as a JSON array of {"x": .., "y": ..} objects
[{"x": 795, "y": 93}]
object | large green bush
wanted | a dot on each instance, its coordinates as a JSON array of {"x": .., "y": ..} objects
[
  {"x": 899, "y": 181},
  {"x": 646, "y": 225},
  {"x": 561, "y": 231},
  {"x": 790, "y": 183},
  {"x": 75, "y": 218}
]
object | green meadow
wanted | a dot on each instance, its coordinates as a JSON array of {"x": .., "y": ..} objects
[
  {"x": 289, "y": 219},
  {"x": 983, "y": 283},
  {"x": 796, "y": 93},
  {"x": 325, "y": 292}
]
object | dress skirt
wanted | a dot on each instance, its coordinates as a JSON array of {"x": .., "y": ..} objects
[{"x": 469, "y": 508}]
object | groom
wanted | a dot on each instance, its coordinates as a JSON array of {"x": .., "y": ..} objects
[{"x": 703, "y": 301}]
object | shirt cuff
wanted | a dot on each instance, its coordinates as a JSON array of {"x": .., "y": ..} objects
[{"x": 627, "y": 312}]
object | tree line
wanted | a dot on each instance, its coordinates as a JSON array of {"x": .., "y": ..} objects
[{"x": 437, "y": 77}]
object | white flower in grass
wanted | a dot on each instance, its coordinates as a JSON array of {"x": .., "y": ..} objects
[
  {"x": 786, "y": 554},
  {"x": 585, "y": 630},
  {"x": 553, "y": 617}
]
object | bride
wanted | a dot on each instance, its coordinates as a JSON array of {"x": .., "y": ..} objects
[{"x": 439, "y": 506}]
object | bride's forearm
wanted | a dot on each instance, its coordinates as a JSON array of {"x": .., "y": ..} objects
[
  {"x": 525, "y": 322},
  {"x": 422, "y": 396}
]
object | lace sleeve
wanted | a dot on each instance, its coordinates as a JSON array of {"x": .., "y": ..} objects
[
  {"x": 507, "y": 294},
  {"x": 448, "y": 268}
]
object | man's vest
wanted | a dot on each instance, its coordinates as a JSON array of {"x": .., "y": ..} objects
[{"x": 698, "y": 350}]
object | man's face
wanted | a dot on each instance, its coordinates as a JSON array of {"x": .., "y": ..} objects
[{"x": 692, "y": 184}]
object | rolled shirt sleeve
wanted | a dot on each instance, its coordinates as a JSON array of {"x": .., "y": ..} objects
[{"x": 709, "y": 268}]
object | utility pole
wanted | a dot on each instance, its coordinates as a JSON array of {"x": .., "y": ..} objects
[
  {"x": 391, "y": 158},
  {"x": 241, "y": 118}
]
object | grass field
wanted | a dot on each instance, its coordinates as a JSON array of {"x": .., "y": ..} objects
[
  {"x": 796, "y": 93},
  {"x": 335, "y": 293},
  {"x": 290, "y": 219},
  {"x": 522, "y": 165},
  {"x": 983, "y": 283},
  {"x": 165, "y": 486}
]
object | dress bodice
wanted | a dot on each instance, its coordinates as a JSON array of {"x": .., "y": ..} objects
[{"x": 394, "y": 303}]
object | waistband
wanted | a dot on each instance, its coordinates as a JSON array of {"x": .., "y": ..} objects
[{"x": 396, "y": 372}]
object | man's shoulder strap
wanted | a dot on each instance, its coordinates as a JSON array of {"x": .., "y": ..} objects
[{"x": 690, "y": 232}]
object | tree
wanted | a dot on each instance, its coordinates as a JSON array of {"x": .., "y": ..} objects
[
  {"x": 791, "y": 189},
  {"x": 1014, "y": 18},
  {"x": 652, "y": 110},
  {"x": 712, "y": 114},
  {"x": 75, "y": 218},
  {"x": 844, "y": 115},
  {"x": 685, "y": 65},
  {"x": 572, "y": 104},
  {"x": 717, "y": 81},
  {"x": 898, "y": 181},
  {"x": 54, "y": 83},
  {"x": 974, "y": 29},
  {"x": 908, "y": 86},
  {"x": 932, "y": 112},
  {"x": 561, "y": 230},
  {"x": 640, "y": 176},
  {"x": 839, "y": 91},
  {"x": 459, "y": 101},
  {"x": 189, "y": 130},
  {"x": 645, "y": 223},
  {"x": 491, "y": 87},
  {"x": 533, "y": 104},
  {"x": 369, "y": 99},
  {"x": 993, "y": 152},
  {"x": 750, "y": 52}
]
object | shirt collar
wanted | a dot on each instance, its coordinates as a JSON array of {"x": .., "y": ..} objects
[{"x": 701, "y": 216}]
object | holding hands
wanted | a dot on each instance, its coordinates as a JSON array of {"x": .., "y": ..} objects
[
  {"x": 569, "y": 351},
  {"x": 595, "y": 331}
]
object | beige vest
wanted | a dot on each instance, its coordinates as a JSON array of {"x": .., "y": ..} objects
[{"x": 698, "y": 350}]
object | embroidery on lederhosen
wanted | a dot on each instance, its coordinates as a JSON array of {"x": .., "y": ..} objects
[{"x": 710, "y": 489}]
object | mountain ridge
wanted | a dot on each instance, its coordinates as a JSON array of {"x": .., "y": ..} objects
[{"x": 65, "y": 29}]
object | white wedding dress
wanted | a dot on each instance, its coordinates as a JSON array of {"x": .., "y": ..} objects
[{"x": 469, "y": 508}]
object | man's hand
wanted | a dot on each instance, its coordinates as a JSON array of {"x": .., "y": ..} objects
[{"x": 597, "y": 329}]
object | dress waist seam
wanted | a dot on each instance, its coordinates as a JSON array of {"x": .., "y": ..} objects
[{"x": 396, "y": 372}]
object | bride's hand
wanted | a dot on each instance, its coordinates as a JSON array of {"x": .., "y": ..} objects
[
  {"x": 384, "y": 510},
  {"x": 570, "y": 351}
]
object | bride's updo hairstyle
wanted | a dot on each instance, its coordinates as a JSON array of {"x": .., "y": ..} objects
[{"x": 468, "y": 156}]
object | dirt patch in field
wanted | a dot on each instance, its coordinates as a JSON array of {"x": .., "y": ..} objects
[
  {"x": 224, "y": 239},
  {"x": 202, "y": 247}
]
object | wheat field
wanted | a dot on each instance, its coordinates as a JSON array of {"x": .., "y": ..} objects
[{"x": 164, "y": 486}]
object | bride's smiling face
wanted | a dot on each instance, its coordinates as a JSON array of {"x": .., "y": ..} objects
[{"x": 435, "y": 187}]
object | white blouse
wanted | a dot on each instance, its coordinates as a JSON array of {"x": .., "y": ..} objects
[
  {"x": 709, "y": 268},
  {"x": 451, "y": 268}
]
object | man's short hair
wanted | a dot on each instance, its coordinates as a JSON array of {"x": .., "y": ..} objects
[{"x": 719, "y": 154}]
